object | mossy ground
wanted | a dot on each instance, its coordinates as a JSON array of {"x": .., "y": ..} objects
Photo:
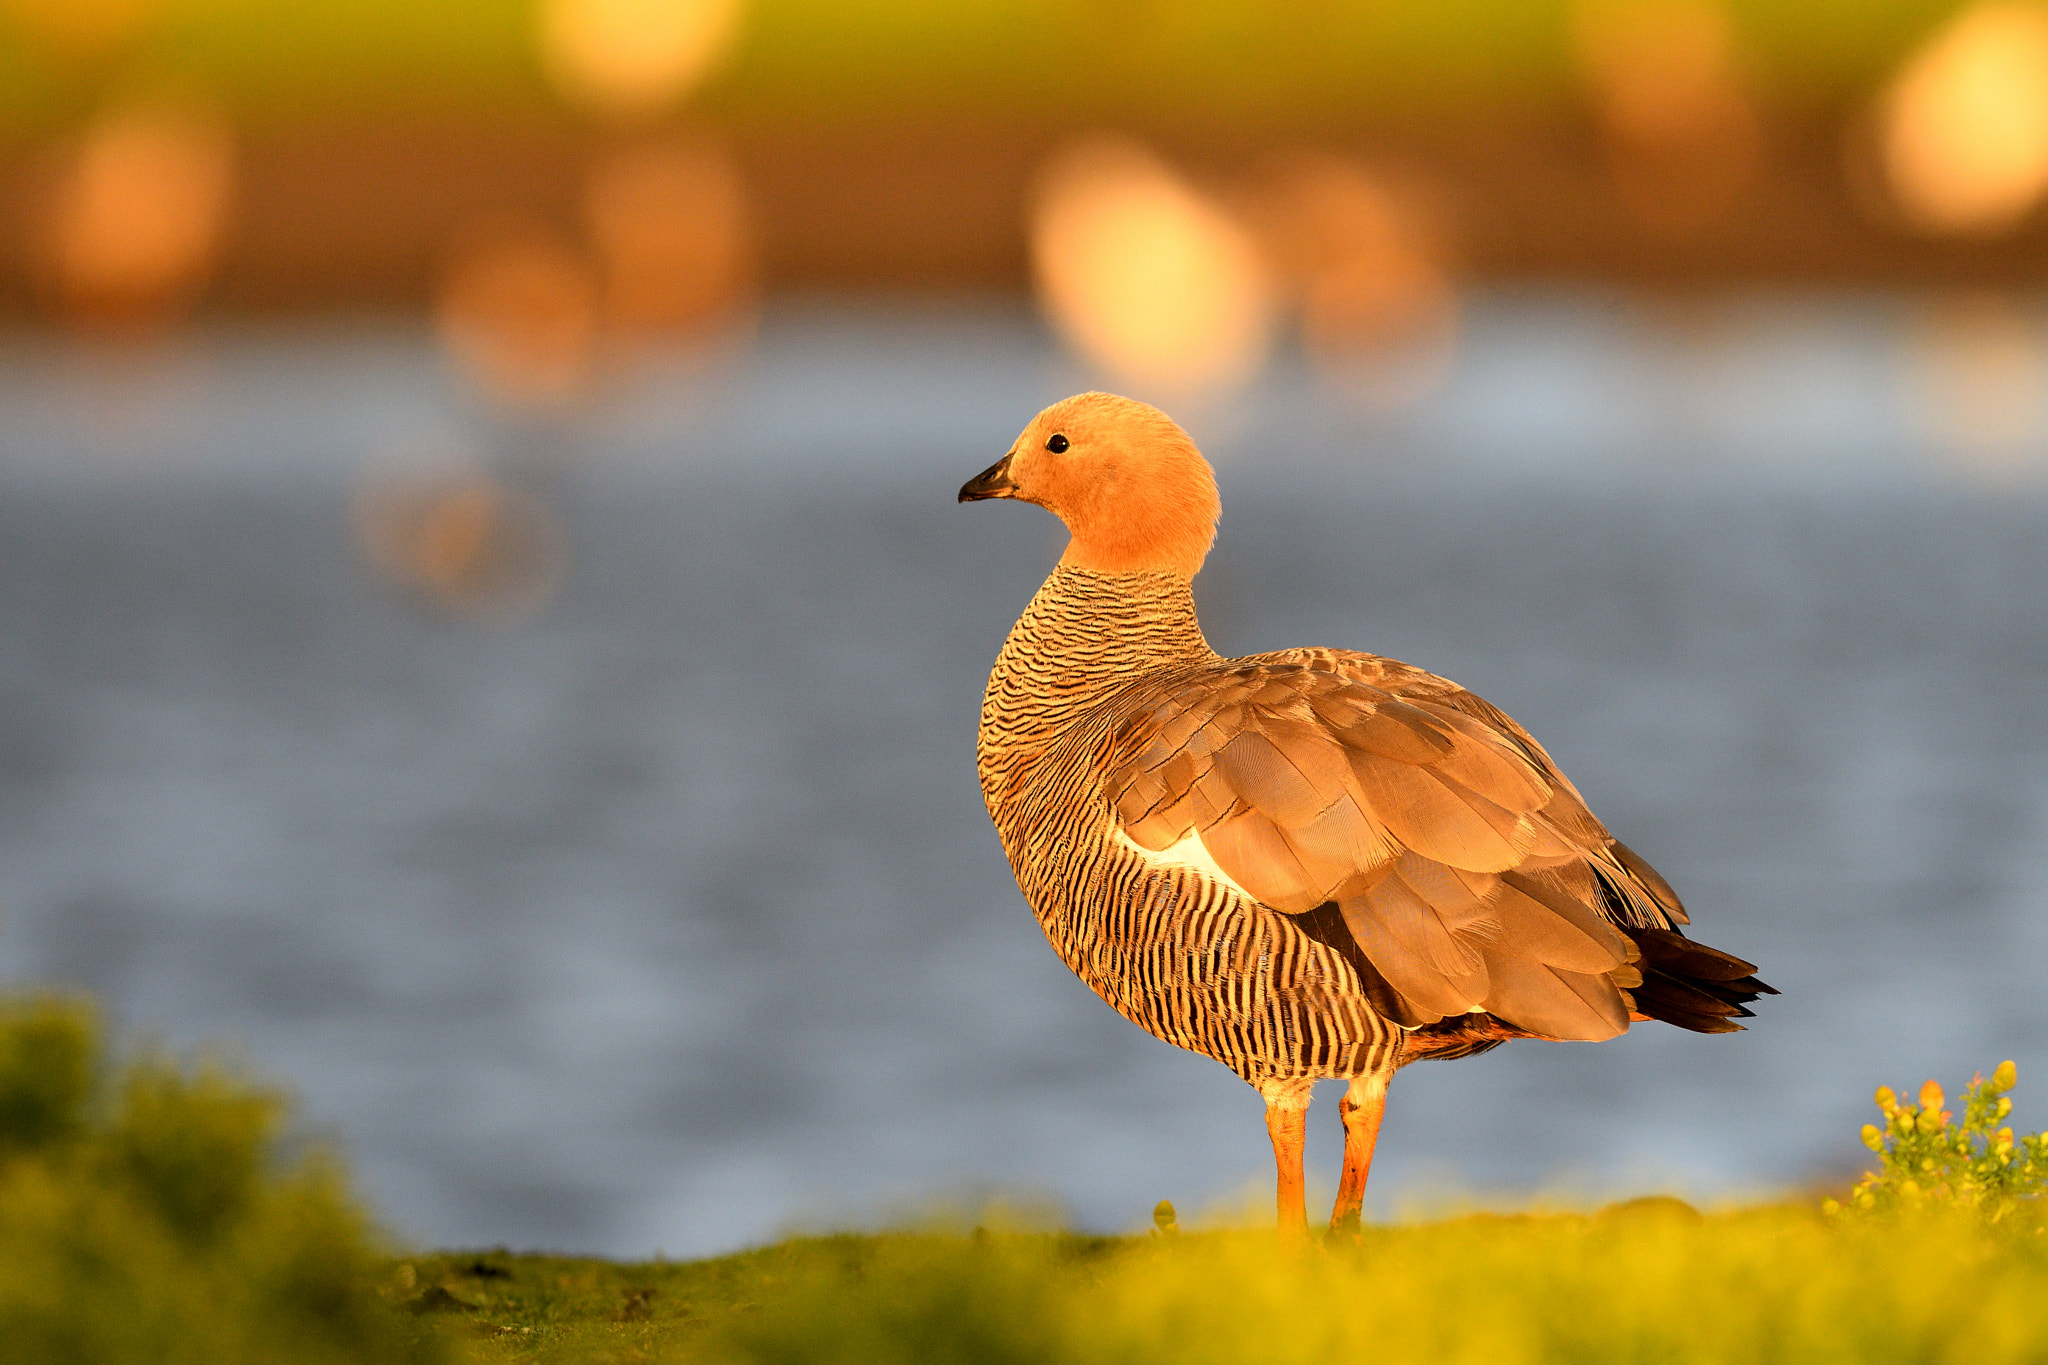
[{"x": 540, "y": 1308}]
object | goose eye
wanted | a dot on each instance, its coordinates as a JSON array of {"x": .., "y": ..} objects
[{"x": 1058, "y": 444}]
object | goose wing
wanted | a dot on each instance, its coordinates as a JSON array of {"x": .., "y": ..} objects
[{"x": 1464, "y": 865}]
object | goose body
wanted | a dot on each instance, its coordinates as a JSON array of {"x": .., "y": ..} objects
[{"x": 1308, "y": 864}]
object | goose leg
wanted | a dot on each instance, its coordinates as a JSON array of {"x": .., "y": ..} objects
[
  {"x": 1287, "y": 1125},
  {"x": 1361, "y": 1107}
]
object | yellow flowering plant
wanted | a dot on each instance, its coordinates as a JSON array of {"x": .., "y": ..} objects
[{"x": 1927, "y": 1159}]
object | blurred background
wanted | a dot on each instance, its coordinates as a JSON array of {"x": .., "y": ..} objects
[{"x": 485, "y": 628}]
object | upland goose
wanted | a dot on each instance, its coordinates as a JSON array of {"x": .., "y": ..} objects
[{"x": 1307, "y": 864}]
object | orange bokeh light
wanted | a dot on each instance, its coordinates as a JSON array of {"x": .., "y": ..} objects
[
  {"x": 1143, "y": 275},
  {"x": 1658, "y": 67},
  {"x": 626, "y": 59},
  {"x": 518, "y": 312},
  {"x": 670, "y": 225},
  {"x": 466, "y": 543},
  {"x": 137, "y": 216},
  {"x": 1683, "y": 137},
  {"x": 1964, "y": 127},
  {"x": 1379, "y": 312}
]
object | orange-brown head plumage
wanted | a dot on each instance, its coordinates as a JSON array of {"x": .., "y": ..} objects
[{"x": 1130, "y": 485}]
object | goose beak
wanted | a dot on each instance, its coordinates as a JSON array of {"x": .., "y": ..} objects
[{"x": 993, "y": 482}]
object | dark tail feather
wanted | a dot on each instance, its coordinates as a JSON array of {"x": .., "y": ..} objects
[{"x": 1690, "y": 984}]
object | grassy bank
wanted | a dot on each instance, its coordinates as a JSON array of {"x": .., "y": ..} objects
[
  {"x": 1939, "y": 1254},
  {"x": 154, "y": 1210},
  {"x": 1646, "y": 1282}
]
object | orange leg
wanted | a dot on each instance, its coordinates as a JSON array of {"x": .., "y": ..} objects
[
  {"x": 1287, "y": 1125},
  {"x": 1362, "y": 1106}
]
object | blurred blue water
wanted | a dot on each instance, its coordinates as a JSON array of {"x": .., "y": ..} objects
[{"x": 670, "y": 915}]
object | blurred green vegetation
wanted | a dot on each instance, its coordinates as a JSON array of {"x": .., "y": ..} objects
[
  {"x": 1052, "y": 62},
  {"x": 147, "y": 1214}
]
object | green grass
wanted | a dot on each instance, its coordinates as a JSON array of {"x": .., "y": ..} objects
[
  {"x": 153, "y": 1210},
  {"x": 1941, "y": 1254},
  {"x": 1652, "y": 1282}
]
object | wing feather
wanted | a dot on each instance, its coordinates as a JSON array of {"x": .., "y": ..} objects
[
  {"x": 1395, "y": 730},
  {"x": 1545, "y": 1002},
  {"x": 1482, "y": 760},
  {"x": 1250, "y": 848},
  {"x": 1346, "y": 839},
  {"x": 1429, "y": 817},
  {"x": 1536, "y": 933},
  {"x": 1270, "y": 781},
  {"x": 1435, "y": 972}
]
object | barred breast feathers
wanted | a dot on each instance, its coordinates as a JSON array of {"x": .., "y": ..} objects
[{"x": 1085, "y": 637}]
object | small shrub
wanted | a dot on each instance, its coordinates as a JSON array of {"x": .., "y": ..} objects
[
  {"x": 145, "y": 1215},
  {"x": 1927, "y": 1160},
  {"x": 46, "y": 1073}
]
